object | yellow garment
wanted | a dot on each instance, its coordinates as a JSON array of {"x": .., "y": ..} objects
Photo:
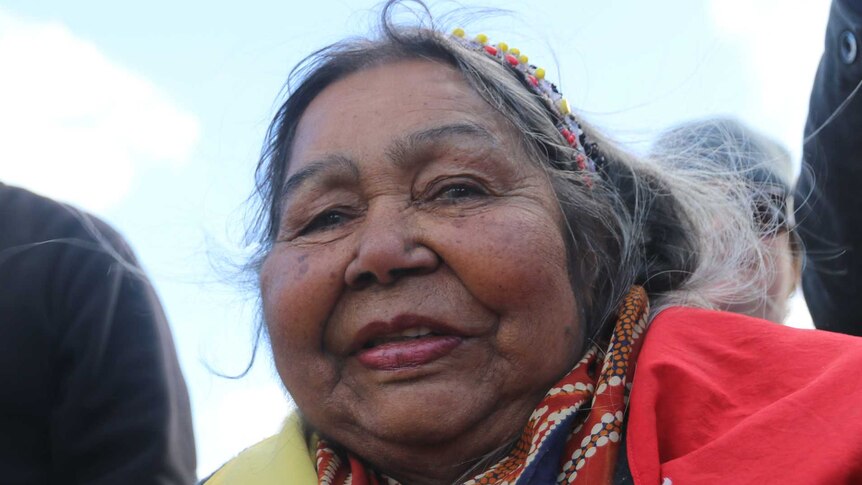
[{"x": 283, "y": 459}]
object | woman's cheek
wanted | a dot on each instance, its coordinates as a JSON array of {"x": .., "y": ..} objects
[
  {"x": 298, "y": 291},
  {"x": 500, "y": 256}
]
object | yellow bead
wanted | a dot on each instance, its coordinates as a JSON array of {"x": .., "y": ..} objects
[
  {"x": 563, "y": 106},
  {"x": 482, "y": 39},
  {"x": 503, "y": 46},
  {"x": 515, "y": 52},
  {"x": 523, "y": 59},
  {"x": 540, "y": 73},
  {"x": 459, "y": 32}
]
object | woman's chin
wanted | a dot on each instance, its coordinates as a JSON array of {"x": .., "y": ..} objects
[
  {"x": 426, "y": 412},
  {"x": 442, "y": 417}
]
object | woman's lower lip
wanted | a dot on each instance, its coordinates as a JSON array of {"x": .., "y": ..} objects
[{"x": 407, "y": 353}]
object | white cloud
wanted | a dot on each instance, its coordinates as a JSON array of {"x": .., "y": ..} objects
[
  {"x": 75, "y": 125},
  {"x": 782, "y": 43}
]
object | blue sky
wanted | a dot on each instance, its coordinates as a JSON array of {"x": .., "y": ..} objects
[{"x": 151, "y": 115}]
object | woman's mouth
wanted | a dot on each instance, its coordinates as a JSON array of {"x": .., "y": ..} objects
[
  {"x": 405, "y": 352},
  {"x": 405, "y": 342}
]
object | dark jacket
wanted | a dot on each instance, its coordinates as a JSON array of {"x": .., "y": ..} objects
[
  {"x": 90, "y": 387},
  {"x": 828, "y": 200}
]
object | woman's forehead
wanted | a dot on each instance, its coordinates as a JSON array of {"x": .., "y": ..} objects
[{"x": 364, "y": 113}]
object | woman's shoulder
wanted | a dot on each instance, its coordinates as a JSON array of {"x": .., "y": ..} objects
[
  {"x": 283, "y": 459},
  {"x": 710, "y": 331},
  {"x": 739, "y": 353},
  {"x": 717, "y": 394}
]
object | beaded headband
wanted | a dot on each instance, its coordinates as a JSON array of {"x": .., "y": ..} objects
[{"x": 534, "y": 78}]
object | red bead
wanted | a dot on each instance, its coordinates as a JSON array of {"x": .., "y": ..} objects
[
  {"x": 533, "y": 80},
  {"x": 512, "y": 60},
  {"x": 571, "y": 140},
  {"x": 491, "y": 50},
  {"x": 566, "y": 133}
]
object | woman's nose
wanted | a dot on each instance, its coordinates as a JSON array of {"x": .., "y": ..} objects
[{"x": 386, "y": 253}]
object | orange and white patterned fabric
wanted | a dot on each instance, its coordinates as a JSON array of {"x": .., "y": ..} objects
[{"x": 573, "y": 435}]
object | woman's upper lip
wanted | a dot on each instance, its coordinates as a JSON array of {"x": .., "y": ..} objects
[{"x": 380, "y": 328}]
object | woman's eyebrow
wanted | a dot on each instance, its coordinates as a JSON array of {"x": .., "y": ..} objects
[
  {"x": 329, "y": 164},
  {"x": 400, "y": 150}
]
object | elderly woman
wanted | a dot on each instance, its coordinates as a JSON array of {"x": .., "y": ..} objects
[{"x": 456, "y": 279}]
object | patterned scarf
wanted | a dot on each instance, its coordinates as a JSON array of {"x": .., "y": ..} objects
[{"x": 564, "y": 440}]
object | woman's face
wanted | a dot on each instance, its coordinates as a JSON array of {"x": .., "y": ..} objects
[{"x": 417, "y": 295}]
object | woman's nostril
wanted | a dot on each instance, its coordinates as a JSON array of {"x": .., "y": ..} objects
[
  {"x": 365, "y": 279},
  {"x": 398, "y": 273}
]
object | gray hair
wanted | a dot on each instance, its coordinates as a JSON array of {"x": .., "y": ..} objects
[
  {"x": 633, "y": 222},
  {"x": 730, "y": 146},
  {"x": 757, "y": 173}
]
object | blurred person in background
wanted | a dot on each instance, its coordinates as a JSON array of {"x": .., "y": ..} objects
[
  {"x": 90, "y": 388},
  {"x": 729, "y": 148}
]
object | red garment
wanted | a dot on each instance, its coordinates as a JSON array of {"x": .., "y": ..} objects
[{"x": 723, "y": 398}]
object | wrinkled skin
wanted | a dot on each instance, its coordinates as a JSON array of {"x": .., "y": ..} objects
[{"x": 410, "y": 195}]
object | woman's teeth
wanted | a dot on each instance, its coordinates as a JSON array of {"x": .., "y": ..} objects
[
  {"x": 406, "y": 334},
  {"x": 414, "y": 332}
]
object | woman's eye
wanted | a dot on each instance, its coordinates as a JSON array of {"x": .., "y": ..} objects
[
  {"x": 459, "y": 191},
  {"x": 326, "y": 220}
]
